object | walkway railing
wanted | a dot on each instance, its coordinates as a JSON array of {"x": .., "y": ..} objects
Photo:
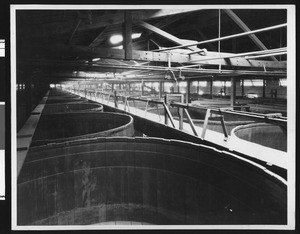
[{"x": 115, "y": 98}]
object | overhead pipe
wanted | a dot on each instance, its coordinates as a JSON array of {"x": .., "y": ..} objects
[
  {"x": 277, "y": 50},
  {"x": 224, "y": 38},
  {"x": 265, "y": 55}
]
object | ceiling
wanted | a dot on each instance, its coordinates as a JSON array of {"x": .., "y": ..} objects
[{"x": 63, "y": 45}]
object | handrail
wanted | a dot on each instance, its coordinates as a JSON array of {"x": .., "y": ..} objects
[{"x": 267, "y": 118}]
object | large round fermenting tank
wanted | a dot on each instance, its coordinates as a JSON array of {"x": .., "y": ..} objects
[
  {"x": 147, "y": 180},
  {"x": 81, "y": 125},
  {"x": 72, "y": 107},
  {"x": 268, "y": 135}
]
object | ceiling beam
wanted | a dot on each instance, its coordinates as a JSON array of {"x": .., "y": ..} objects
[
  {"x": 85, "y": 52},
  {"x": 98, "y": 39},
  {"x": 73, "y": 31},
  {"x": 167, "y": 21},
  {"x": 166, "y": 35},
  {"x": 245, "y": 28}
]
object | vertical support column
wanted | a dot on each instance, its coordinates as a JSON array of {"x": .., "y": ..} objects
[
  {"x": 211, "y": 88},
  {"x": 127, "y": 34},
  {"x": 142, "y": 88},
  {"x": 225, "y": 88},
  {"x": 233, "y": 92},
  {"x": 198, "y": 87},
  {"x": 160, "y": 87},
  {"x": 243, "y": 91},
  {"x": 188, "y": 91},
  {"x": 264, "y": 88},
  {"x": 129, "y": 88}
]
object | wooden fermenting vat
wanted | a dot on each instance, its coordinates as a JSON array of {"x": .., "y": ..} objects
[{"x": 150, "y": 180}]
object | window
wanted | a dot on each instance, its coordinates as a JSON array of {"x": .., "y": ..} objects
[
  {"x": 251, "y": 82},
  {"x": 283, "y": 82}
]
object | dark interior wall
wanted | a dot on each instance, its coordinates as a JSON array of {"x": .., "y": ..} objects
[
  {"x": 27, "y": 100},
  {"x": 2, "y": 79}
]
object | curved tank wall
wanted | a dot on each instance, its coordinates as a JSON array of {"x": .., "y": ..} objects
[
  {"x": 148, "y": 180},
  {"x": 81, "y": 125},
  {"x": 65, "y": 100},
  {"x": 264, "y": 134},
  {"x": 72, "y": 107}
]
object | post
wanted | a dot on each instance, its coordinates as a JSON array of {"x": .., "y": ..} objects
[
  {"x": 142, "y": 88},
  {"x": 205, "y": 124},
  {"x": 160, "y": 89},
  {"x": 128, "y": 88},
  {"x": 243, "y": 92},
  {"x": 264, "y": 88},
  {"x": 115, "y": 99},
  {"x": 166, "y": 115},
  {"x": 127, "y": 32},
  {"x": 211, "y": 88},
  {"x": 233, "y": 92},
  {"x": 188, "y": 91}
]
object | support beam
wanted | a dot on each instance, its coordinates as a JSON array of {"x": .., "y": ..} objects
[
  {"x": 98, "y": 39},
  {"x": 166, "y": 35},
  {"x": 127, "y": 34},
  {"x": 164, "y": 23},
  {"x": 245, "y": 28},
  {"x": 203, "y": 36},
  {"x": 188, "y": 92},
  {"x": 211, "y": 88},
  {"x": 142, "y": 88},
  {"x": 160, "y": 89},
  {"x": 243, "y": 92},
  {"x": 264, "y": 88},
  {"x": 233, "y": 92},
  {"x": 85, "y": 53},
  {"x": 74, "y": 30}
]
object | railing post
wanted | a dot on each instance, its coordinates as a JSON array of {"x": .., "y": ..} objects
[
  {"x": 169, "y": 115},
  {"x": 158, "y": 112},
  {"x": 191, "y": 122},
  {"x": 180, "y": 113},
  {"x": 115, "y": 99},
  {"x": 146, "y": 109},
  {"x": 223, "y": 125},
  {"x": 205, "y": 123},
  {"x": 166, "y": 115}
]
